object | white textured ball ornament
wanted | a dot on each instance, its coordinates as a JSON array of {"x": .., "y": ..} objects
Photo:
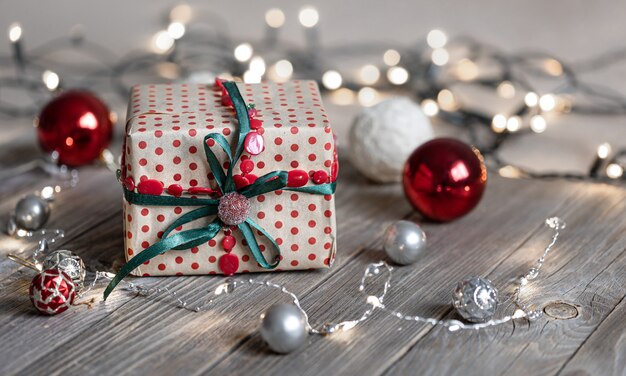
[{"x": 383, "y": 136}]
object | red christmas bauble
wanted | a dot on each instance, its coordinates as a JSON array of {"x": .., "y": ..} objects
[
  {"x": 77, "y": 125},
  {"x": 444, "y": 179},
  {"x": 52, "y": 291}
]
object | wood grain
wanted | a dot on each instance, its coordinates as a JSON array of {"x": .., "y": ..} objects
[{"x": 500, "y": 239}]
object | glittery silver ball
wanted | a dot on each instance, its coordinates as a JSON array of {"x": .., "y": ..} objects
[
  {"x": 32, "y": 212},
  {"x": 404, "y": 242},
  {"x": 69, "y": 263},
  {"x": 475, "y": 299},
  {"x": 283, "y": 328}
]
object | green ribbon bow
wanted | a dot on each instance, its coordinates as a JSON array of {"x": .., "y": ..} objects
[{"x": 208, "y": 207}]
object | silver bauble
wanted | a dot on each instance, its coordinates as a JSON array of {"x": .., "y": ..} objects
[
  {"x": 284, "y": 328},
  {"x": 383, "y": 136},
  {"x": 31, "y": 212},
  {"x": 69, "y": 263},
  {"x": 475, "y": 299},
  {"x": 404, "y": 242}
]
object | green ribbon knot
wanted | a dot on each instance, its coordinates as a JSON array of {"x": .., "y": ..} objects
[{"x": 208, "y": 207}]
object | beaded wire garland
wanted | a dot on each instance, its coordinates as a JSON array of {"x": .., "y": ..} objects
[{"x": 373, "y": 302}]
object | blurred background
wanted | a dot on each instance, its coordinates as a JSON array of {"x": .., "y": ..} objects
[{"x": 344, "y": 36}]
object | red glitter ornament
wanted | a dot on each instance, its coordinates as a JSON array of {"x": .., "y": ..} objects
[
  {"x": 444, "y": 179},
  {"x": 52, "y": 291},
  {"x": 77, "y": 125}
]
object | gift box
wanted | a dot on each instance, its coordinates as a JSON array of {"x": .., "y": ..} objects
[{"x": 186, "y": 189}]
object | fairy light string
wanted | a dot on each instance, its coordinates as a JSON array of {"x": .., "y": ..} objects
[
  {"x": 431, "y": 70},
  {"x": 372, "y": 302}
]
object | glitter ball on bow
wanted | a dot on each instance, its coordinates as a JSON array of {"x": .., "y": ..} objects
[{"x": 226, "y": 179}]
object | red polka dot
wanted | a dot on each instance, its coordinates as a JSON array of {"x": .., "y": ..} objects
[
  {"x": 260, "y": 198},
  {"x": 162, "y": 266},
  {"x": 278, "y": 207},
  {"x": 294, "y": 130},
  {"x": 278, "y": 224},
  {"x": 142, "y": 144},
  {"x": 294, "y": 214},
  {"x": 312, "y": 256},
  {"x": 195, "y": 250},
  {"x": 178, "y": 210},
  {"x": 195, "y": 266},
  {"x": 312, "y": 223},
  {"x": 145, "y": 244},
  {"x": 159, "y": 168},
  {"x": 294, "y": 231},
  {"x": 245, "y": 258},
  {"x": 312, "y": 207},
  {"x": 176, "y": 160},
  {"x": 294, "y": 164},
  {"x": 177, "y": 177},
  {"x": 143, "y": 162},
  {"x": 260, "y": 164},
  {"x": 179, "y": 260},
  {"x": 278, "y": 157},
  {"x": 260, "y": 215},
  {"x": 294, "y": 147},
  {"x": 212, "y": 259},
  {"x": 312, "y": 240},
  {"x": 313, "y": 140},
  {"x": 129, "y": 218},
  {"x": 279, "y": 241},
  {"x": 326, "y": 245},
  {"x": 158, "y": 151},
  {"x": 158, "y": 134},
  {"x": 129, "y": 251},
  {"x": 192, "y": 132},
  {"x": 294, "y": 247},
  {"x": 294, "y": 197},
  {"x": 312, "y": 157},
  {"x": 328, "y": 230},
  {"x": 145, "y": 228},
  {"x": 294, "y": 263},
  {"x": 212, "y": 242},
  {"x": 328, "y": 213},
  {"x": 193, "y": 166},
  {"x": 176, "y": 143},
  {"x": 193, "y": 149},
  {"x": 278, "y": 141},
  {"x": 160, "y": 218}
]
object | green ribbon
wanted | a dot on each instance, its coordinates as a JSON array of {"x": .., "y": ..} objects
[{"x": 208, "y": 207}]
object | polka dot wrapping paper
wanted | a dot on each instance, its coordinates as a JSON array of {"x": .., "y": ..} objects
[{"x": 164, "y": 141}]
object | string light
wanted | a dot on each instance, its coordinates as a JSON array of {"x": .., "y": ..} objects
[
  {"x": 466, "y": 70},
  {"x": 251, "y": 77},
  {"x": 614, "y": 171},
  {"x": 538, "y": 124},
  {"x": 498, "y": 123},
  {"x": 367, "y": 96},
  {"x": 51, "y": 80},
  {"x": 531, "y": 99},
  {"x": 369, "y": 74},
  {"x": 274, "y": 18},
  {"x": 553, "y": 67},
  {"x": 446, "y": 100},
  {"x": 15, "y": 32},
  {"x": 440, "y": 57},
  {"x": 513, "y": 124},
  {"x": 162, "y": 42},
  {"x": 397, "y": 75},
  {"x": 332, "y": 80},
  {"x": 308, "y": 17},
  {"x": 181, "y": 13},
  {"x": 243, "y": 52},
  {"x": 257, "y": 66},
  {"x": 436, "y": 39},
  {"x": 430, "y": 107},
  {"x": 391, "y": 57},
  {"x": 283, "y": 70},
  {"x": 604, "y": 150},
  {"x": 176, "y": 30},
  {"x": 343, "y": 97},
  {"x": 509, "y": 171},
  {"x": 547, "y": 102},
  {"x": 506, "y": 90}
]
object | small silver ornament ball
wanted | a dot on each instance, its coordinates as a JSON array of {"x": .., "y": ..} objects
[
  {"x": 475, "y": 299},
  {"x": 283, "y": 328},
  {"x": 383, "y": 136},
  {"x": 32, "y": 212},
  {"x": 69, "y": 263},
  {"x": 404, "y": 242}
]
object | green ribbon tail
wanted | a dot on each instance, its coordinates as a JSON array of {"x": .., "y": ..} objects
[
  {"x": 240, "y": 133},
  {"x": 184, "y": 237},
  {"x": 214, "y": 163},
  {"x": 253, "y": 245},
  {"x": 322, "y": 189},
  {"x": 202, "y": 212}
]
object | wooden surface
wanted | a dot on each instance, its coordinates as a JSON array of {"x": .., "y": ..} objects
[{"x": 585, "y": 278}]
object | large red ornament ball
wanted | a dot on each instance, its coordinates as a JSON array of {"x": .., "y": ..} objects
[
  {"x": 52, "y": 291},
  {"x": 77, "y": 125},
  {"x": 444, "y": 179}
]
